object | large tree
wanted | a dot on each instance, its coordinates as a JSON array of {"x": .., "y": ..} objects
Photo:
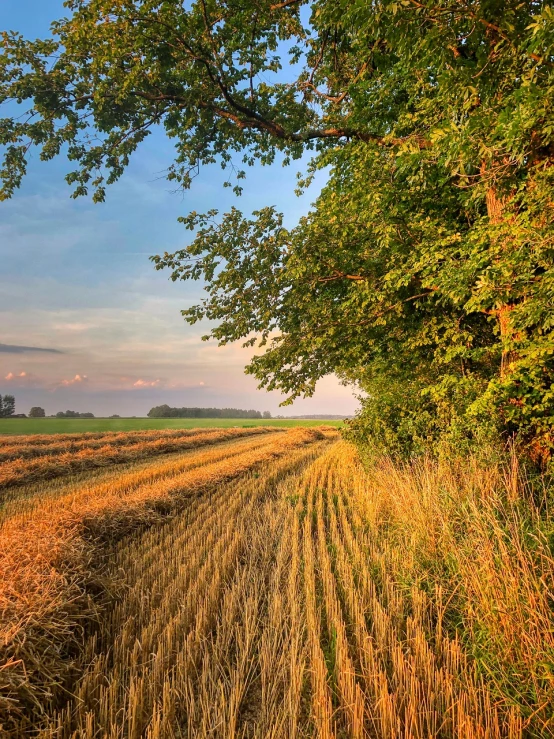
[
  {"x": 37, "y": 412},
  {"x": 424, "y": 271},
  {"x": 7, "y": 406}
]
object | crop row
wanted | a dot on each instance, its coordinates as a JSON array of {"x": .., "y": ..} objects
[
  {"x": 30, "y": 446},
  {"x": 78, "y": 440},
  {"x": 49, "y": 559},
  {"x": 58, "y": 461}
]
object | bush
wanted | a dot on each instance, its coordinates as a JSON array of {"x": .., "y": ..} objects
[{"x": 37, "y": 412}]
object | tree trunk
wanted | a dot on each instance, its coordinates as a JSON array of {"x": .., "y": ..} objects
[{"x": 495, "y": 210}]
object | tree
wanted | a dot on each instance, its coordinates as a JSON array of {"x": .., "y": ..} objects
[
  {"x": 424, "y": 270},
  {"x": 37, "y": 412},
  {"x": 73, "y": 414},
  {"x": 266, "y": 414},
  {"x": 7, "y": 406}
]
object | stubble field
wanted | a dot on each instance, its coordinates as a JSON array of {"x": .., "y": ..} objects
[{"x": 264, "y": 583}]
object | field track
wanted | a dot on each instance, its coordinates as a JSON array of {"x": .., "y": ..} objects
[{"x": 271, "y": 588}]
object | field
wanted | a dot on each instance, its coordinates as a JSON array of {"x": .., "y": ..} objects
[
  {"x": 82, "y": 425},
  {"x": 265, "y": 583}
]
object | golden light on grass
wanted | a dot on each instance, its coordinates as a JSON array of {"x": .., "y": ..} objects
[{"x": 291, "y": 593}]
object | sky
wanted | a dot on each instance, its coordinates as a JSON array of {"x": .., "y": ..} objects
[{"x": 86, "y": 322}]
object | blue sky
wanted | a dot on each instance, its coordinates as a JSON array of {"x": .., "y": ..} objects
[{"x": 76, "y": 279}]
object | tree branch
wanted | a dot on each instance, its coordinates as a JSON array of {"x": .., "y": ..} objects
[{"x": 284, "y": 4}]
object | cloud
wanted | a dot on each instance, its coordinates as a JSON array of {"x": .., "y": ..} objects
[
  {"x": 75, "y": 381},
  {"x": 14, "y": 349},
  {"x": 72, "y": 326},
  {"x": 146, "y": 383},
  {"x": 11, "y": 376},
  {"x": 23, "y": 379}
]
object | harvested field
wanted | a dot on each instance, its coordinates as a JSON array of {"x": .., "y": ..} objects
[
  {"x": 47, "y": 555},
  {"x": 37, "y": 444},
  {"x": 273, "y": 587},
  {"x": 23, "y": 462}
]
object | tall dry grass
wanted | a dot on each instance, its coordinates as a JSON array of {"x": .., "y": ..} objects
[
  {"x": 471, "y": 549},
  {"x": 49, "y": 560}
]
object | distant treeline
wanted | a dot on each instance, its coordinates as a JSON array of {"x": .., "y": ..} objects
[
  {"x": 165, "y": 411},
  {"x": 73, "y": 414}
]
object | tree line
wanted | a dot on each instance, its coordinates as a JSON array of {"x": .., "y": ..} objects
[
  {"x": 7, "y": 410},
  {"x": 73, "y": 414},
  {"x": 165, "y": 411},
  {"x": 424, "y": 272}
]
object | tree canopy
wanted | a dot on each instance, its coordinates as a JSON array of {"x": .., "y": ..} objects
[
  {"x": 424, "y": 271},
  {"x": 7, "y": 406},
  {"x": 37, "y": 412}
]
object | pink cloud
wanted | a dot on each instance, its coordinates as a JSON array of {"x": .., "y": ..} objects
[
  {"x": 11, "y": 376},
  {"x": 75, "y": 381},
  {"x": 146, "y": 383}
]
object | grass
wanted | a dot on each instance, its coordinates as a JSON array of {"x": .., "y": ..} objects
[
  {"x": 15, "y": 426},
  {"x": 273, "y": 587}
]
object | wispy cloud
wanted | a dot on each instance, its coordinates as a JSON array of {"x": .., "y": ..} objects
[
  {"x": 15, "y": 349},
  {"x": 146, "y": 383},
  {"x": 77, "y": 380}
]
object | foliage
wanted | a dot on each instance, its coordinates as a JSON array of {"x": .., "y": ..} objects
[
  {"x": 423, "y": 272},
  {"x": 7, "y": 406},
  {"x": 73, "y": 414},
  {"x": 37, "y": 412}
]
